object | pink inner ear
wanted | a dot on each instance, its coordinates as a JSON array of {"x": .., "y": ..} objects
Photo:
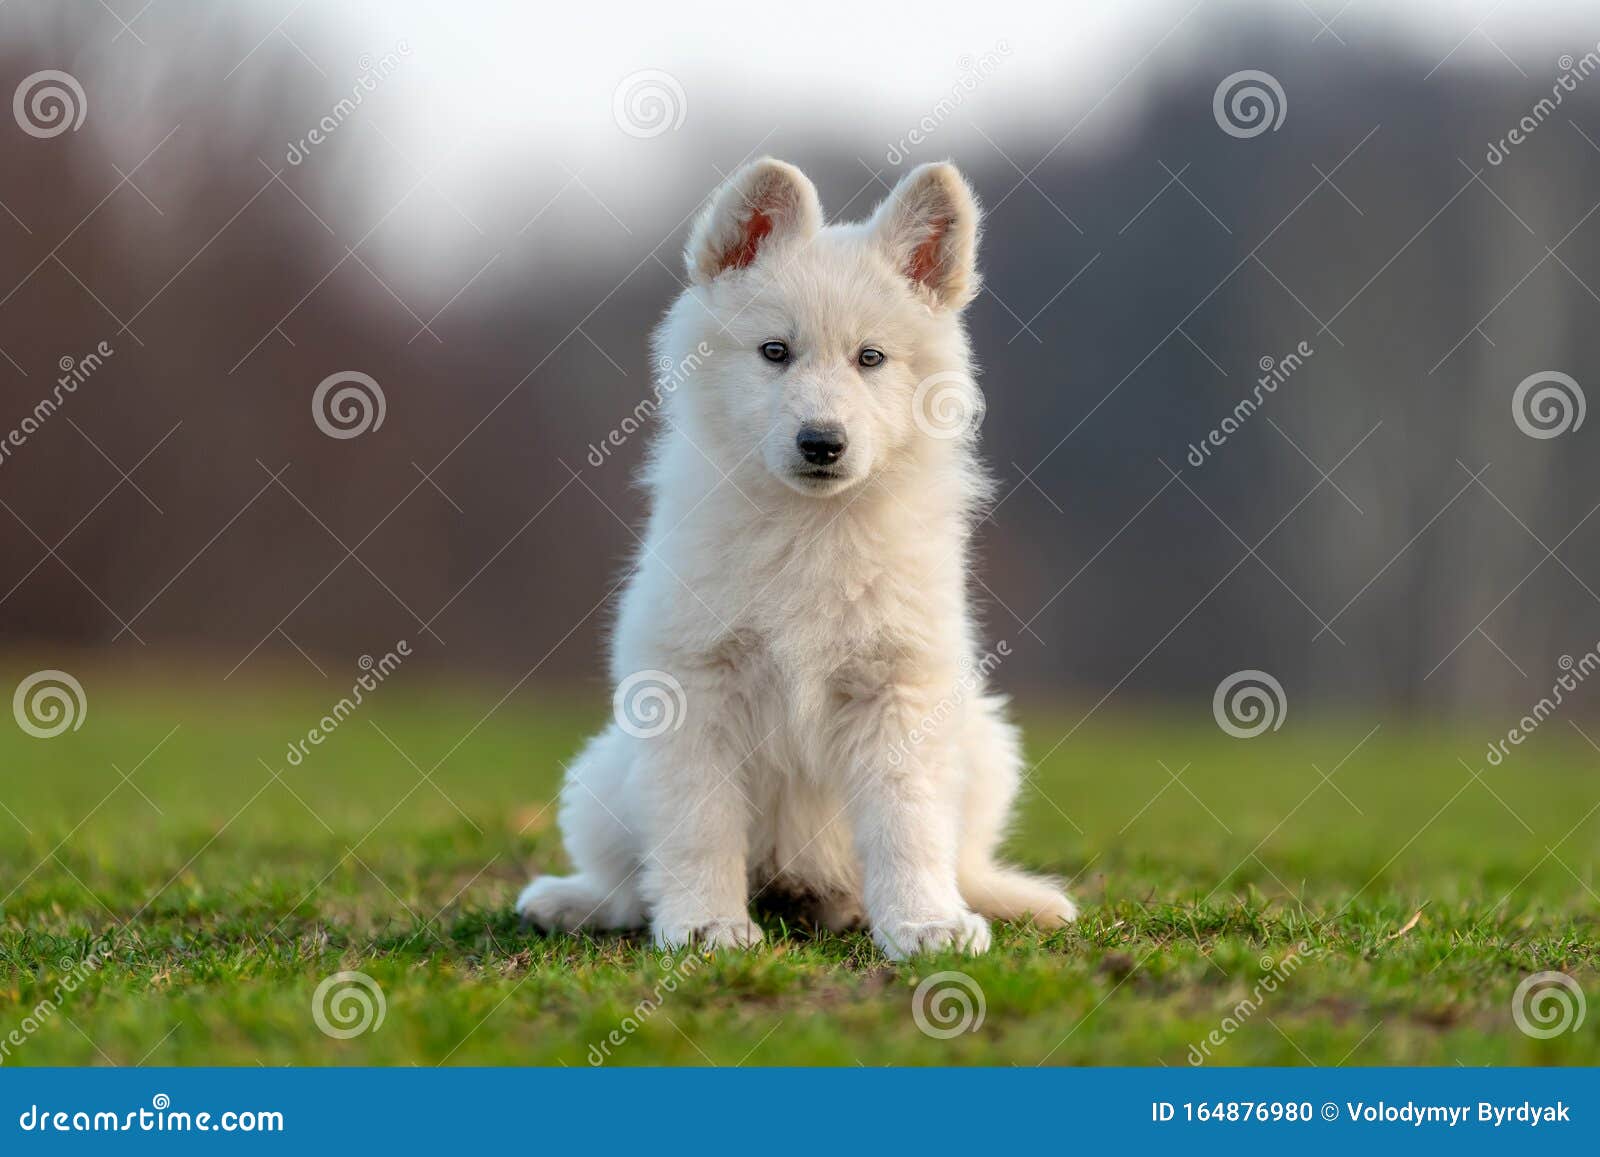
[
  {"x": 926, "y": 258},
  {"x": 755, "y": 231}
]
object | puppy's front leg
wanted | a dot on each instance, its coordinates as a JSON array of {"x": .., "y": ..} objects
[
  {"x": 694, "y": 874},
  {"x": 906, "y": 826}
]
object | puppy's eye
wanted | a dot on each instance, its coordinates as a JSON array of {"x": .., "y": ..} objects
[
  {"x": 775, "y": 351},
  {"x": 869, "y": 357}
]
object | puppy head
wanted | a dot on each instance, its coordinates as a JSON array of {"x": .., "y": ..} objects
[{"x": 837, "y": 350}]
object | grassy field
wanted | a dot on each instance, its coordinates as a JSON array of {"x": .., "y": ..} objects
[{"x": 1397, "y": 904}]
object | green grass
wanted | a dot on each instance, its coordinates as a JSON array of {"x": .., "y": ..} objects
[{"x": 226, "y": 896}]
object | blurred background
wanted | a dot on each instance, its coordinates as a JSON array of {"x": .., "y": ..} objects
[{"x": 482, "y": 209}]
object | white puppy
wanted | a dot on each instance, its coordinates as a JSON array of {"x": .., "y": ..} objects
[{"x": 800, "y": 703}]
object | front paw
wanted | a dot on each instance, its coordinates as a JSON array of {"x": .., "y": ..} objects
[
  {"x": 966, "y": 932},
  {"x": 708, "y": 935}
]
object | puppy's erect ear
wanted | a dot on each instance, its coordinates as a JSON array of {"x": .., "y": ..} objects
[
  {"x": 764, "y": 204},
  {"x": 928, "y": 228}
]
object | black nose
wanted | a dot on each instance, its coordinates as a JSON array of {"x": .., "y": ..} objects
[{"x": 821, "y": 445}]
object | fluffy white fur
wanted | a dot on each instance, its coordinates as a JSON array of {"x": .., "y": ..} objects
[{"x": 814, "y": 623}]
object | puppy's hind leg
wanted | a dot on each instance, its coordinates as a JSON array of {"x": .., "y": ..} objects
[
  {"x": 840, "y": 912},
  {"x": 603, "y": 891},
  {"x": 994, "y": 762}
]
